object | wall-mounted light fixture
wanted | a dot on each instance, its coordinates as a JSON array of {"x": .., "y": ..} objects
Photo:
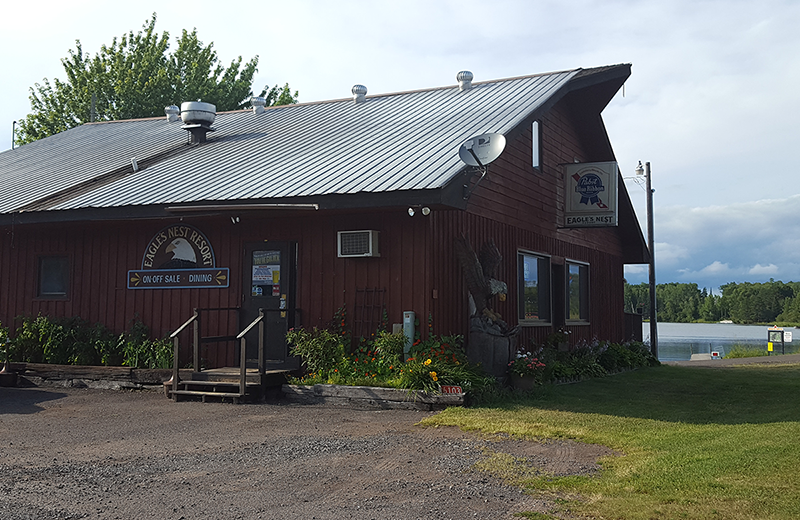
[{"x": 425, "y": 210}]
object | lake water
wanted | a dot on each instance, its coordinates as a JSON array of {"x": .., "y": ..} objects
[{"x": 678, "y": 341}]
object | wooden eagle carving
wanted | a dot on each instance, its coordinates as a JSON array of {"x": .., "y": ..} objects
[{"x": 480, "y": 275}]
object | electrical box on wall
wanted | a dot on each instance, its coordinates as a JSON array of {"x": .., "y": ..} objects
[{"x": 363, "y": 243}]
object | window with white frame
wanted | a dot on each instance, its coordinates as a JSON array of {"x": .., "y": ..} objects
[
  {"x": 536, "y": 146},
  {"x": 533, "y": 288},
  {"x": 577, "y": 291}
]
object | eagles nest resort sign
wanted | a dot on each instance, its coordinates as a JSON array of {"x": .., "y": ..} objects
[
  {"x": 178, "y": 257},
  {"x": 591, "y": 194}
]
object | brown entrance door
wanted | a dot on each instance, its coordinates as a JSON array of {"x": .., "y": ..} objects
[{"x": 270, "y": 270}]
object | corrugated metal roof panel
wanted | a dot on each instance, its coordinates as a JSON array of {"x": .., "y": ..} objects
[{"x": 405, "y": 141}]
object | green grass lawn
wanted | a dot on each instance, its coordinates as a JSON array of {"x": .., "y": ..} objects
[{"x": 695, "y": 443}]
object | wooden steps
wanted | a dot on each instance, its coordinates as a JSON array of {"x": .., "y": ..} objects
[{"x": 223, "y": 384}]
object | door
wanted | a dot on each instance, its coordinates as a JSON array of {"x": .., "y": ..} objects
[{"x": 270, "y": 270}]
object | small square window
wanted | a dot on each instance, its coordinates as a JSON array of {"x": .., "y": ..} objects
[
  {"x": 534, "y": 288},
  {"x": 577, "y": 292},
  {"x": 53, "y": 276}
]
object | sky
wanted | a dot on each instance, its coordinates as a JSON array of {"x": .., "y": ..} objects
[{"x": 712, "y": 102}]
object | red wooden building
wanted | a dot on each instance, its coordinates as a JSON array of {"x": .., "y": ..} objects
[{"x": 304, "y": 208}]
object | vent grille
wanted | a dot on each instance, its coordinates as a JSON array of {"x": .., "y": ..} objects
[{"x": 358, "y": 243}]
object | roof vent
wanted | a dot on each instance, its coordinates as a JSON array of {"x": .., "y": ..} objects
[
  {"x": 197, "y": 118},
  {"x": 359, "y": 93},
  {"x": 464, "y": 80},
  {"x": 258, "y": 104},
  {"x": 172, "y": 112}
]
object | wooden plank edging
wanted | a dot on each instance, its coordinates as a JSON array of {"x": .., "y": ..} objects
[{"x": 366, "y": 395}]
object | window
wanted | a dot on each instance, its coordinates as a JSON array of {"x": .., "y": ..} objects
[
  {"x": 53, "y": 276},
  {"x": 577, "y": 292},
  {"x": 536, "y": 146},
  {"x": 534, "y": 288}
]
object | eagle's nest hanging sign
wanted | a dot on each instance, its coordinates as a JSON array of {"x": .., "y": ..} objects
[
  {"x": 591, "y": 194},
  {"x": 178, "y": 257}
]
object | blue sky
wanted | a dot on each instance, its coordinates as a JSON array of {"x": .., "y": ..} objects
[{"x": 712, "y": 102}]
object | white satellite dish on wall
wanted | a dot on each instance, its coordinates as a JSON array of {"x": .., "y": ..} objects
[{"x": 482, "y": 149}]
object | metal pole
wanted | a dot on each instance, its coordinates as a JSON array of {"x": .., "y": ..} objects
[{"x": 652, "y": 267}]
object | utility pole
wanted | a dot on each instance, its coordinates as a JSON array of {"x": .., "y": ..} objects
[{"x": 652, "y": 247}]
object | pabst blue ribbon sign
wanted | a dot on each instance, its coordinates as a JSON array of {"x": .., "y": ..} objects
[
  {"x": 591, "y": 194},
  {"x": 179, "y": 257}
]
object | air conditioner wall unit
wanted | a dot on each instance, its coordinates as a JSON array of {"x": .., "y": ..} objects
[{"x": 358, "y": 244}]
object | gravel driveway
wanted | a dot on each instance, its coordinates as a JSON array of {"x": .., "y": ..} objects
[{"x": 77, "y": 453}]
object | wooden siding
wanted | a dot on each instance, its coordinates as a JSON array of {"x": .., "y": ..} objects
[
  {"x": 102, "y": 253},
  {"x": 517, "y": 207},
  {"x": 522, "y": 209}
]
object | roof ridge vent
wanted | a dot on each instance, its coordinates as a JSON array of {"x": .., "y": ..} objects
[
  {"x": 172, "y": 113},
  {"x": 258, "y": 104},
  {"x": 464, "y": 79},
  {"x": 359, "y": 93}
]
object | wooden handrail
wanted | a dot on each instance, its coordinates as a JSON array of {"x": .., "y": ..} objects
[
  {"x": 252, "y": 324},
  {"x": 188, "y": 322}
]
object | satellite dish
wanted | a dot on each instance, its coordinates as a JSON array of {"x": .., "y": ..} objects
[{"x": 482, "y": 149}]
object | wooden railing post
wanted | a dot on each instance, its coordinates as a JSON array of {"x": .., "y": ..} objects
[
  {"x": 243, "y": 367},
  {"x": 243, "y": 351},
  {"x": 261, "y": 368},
  {"x": 175, "y": 373},
  {"x": 175, "y": 355},
  {"x": 196, "y": 349}
]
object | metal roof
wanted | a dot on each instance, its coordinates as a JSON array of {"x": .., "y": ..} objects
[{"x": 391, "y": 142}]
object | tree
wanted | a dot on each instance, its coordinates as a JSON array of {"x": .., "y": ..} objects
[
  {"x": 678, "y": 302},
  {"x": 756, "y": 302},
  {"x": 637, "y": 299},
  {"x": 137, "y": 77}
]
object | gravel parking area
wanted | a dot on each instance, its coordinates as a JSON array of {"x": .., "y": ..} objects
[{"x": 72, "y": 453}]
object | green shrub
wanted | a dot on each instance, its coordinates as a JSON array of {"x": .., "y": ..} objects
[
  {"x": 74, "y": 341},
  {"x": 4, "y": 341},
  {"x": 320, "y": 349},
  {"x": 592, "y": 359},
  {"x": 622, "y": 356},
  {"x": 62, "y": 341},
  {"x": 139, "y": 351}
]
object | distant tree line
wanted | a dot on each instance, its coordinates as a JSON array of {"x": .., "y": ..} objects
[{"x": 746, "y": 302}]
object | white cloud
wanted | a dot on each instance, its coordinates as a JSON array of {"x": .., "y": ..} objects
[
  {"x": 716, "y": 268},
  {"x": 759, "y": 269},
  {"x": 669, "y": 254}
]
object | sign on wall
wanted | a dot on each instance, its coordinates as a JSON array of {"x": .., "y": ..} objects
[
  {"x": 591, "y": 194},
  {"x": 179, "y": 257}
]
